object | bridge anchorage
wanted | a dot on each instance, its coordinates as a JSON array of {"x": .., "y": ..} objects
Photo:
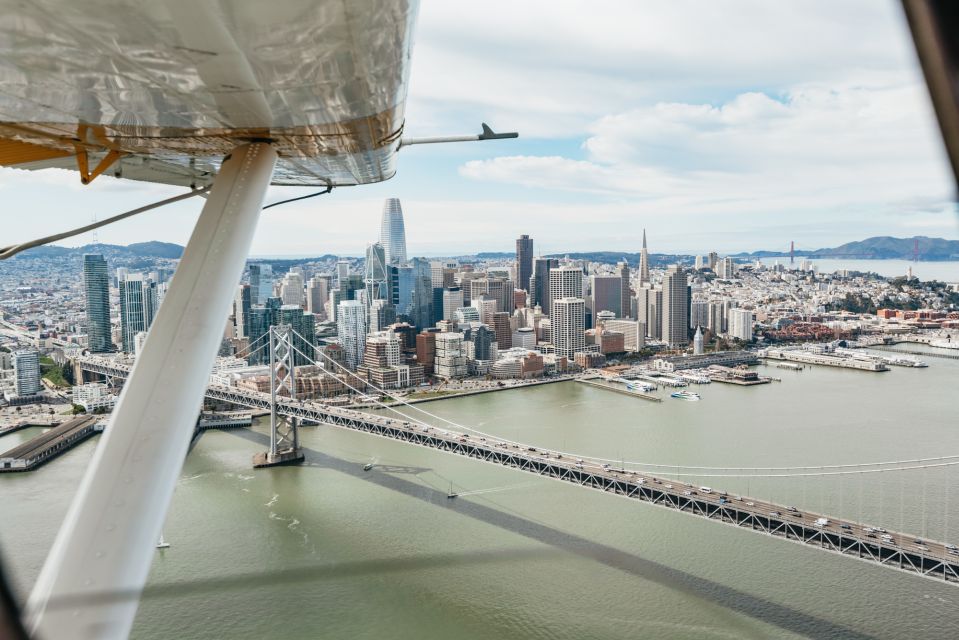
[{"x": 284, "y": 439}]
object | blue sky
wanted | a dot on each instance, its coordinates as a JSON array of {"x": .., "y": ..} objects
[{"x": 729, "y": 125}]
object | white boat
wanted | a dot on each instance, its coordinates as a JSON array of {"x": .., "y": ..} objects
[
  {"x": 685, "y": 395},
  {"x": 161, "y": 543}
]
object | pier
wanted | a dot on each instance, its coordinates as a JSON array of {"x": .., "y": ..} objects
[
  {"x": 48, "y": 445},
  {"x": 593, "y": 382}
]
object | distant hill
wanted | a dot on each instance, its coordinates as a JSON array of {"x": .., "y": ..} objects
[
  {"x": 878, "y": 248},
  {"x": 151, "y": 249}
]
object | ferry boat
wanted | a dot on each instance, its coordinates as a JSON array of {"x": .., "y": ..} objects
[
  {"x": 685, "y": 395},
  {"x": 639, "y": 386}
]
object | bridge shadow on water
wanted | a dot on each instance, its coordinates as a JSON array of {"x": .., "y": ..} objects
[{"x": 723, "y": 595}]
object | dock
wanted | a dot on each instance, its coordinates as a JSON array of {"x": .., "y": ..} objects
[
  {"x": 48, "y": 445},
  {"x": 619, "y": 389},
  {"x": 810, "y": 357}
]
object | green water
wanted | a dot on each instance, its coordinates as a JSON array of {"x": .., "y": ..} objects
[{"x": 329, "y": 550}]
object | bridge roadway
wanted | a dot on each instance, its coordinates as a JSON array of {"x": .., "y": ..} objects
[{"x": 931, "y": 559}]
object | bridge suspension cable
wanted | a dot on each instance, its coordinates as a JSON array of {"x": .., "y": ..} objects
[{"x": 661, "y": 468}]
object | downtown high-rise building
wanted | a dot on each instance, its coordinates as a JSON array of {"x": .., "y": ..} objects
[
  {"x": 524, "y": 261},
  {"x": 644, "y": 263},
  {"x": 567, "y": 326},
  {"x": 381, "y": 314},
  {"x": 351, "y": 331},
  {"x": 564, "y": 282},
  {"x": 242, "y": 306},
  {"x": 261, "y": 283},
  {"x": 503, "y": 329},
  {"x": 675, "y": 313},
  {"x": 422, "y": 298},
  {"x": 291, "y": 289},
  {"x": 626, "y": 294},
  {"x": 607, "y": 294},
  {"x": 539, "y": 282},
  {"x": 498, "y": 289},
  {"x": 452, "y": 300},
  {"x": 317, "y": 293},
  {"x": 26, "y": 372},
  {"x": 138, "y": 307},
  {"x": 96, "y": 287},
  {"x": 393, "y": 232},
  {"x": 649, "y": 305},
  {"x": 375, "y": 273}
]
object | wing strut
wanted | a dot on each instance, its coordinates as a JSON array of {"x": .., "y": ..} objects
[{"x": 90, "y": 585}]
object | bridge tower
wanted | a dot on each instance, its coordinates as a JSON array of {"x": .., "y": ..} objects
[{"x": 284, "y": 439}]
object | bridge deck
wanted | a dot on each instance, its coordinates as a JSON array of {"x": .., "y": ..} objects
[{"x": 930, "y": 558}]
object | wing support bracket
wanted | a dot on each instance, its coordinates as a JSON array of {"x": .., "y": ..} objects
[{"x": 83, "y": 163}]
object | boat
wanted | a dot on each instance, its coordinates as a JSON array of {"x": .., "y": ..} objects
[
  {"x": 367, "y": 466},
  {"x": 451, "y": 494},
  {"x": 685, "y": 395},
  {"x": 161, "y": 543}
]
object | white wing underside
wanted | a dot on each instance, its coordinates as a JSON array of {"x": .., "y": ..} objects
[{"x": 173, "y": 86}]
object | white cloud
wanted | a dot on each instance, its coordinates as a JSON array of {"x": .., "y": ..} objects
[
  {"x": 813, "y": 147},
  {"x": 549, "y": 69}
]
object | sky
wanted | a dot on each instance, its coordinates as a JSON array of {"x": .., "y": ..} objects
[{"x": 730, "y": 125}]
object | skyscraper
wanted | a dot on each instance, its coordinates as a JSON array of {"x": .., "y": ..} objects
[
  {"x": 317, "y": 292},
  {"x": 26, "y": 372},
  {"x": 351, "y": 331},
  {"x": 644, "y": 263},
  {"x": 261, "y": 283},
  {"x": 504, "y": 332},
  {"x": 564, "y": 282},
  {"x": 375, "y": 279},
  {"x": 242, "y": 305},
  {"x": 727, "y": 269},
  {"x": 291, "y": 289},
  {"x": 382, "y": 314},
  {"x": 452, "y": 300},
  {"x": 422, "y": 314},
  {"x": 524, "y": 262},
  {"x": 393, "y": 232},
  {"x": 626, "y": 296},
  {"x": 568, "y": 326},
  {"x": 741, "y": 324},
  {"x": 138, "y": 306},
  {"x": 96, "y": 286},
  {"x": 607, "y": 294},
  {"x": 675, "y": 312},
  {"x": 539, "y": 282}
]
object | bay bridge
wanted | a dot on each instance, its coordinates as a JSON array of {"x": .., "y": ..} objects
[{"x": 937, "y": 560}]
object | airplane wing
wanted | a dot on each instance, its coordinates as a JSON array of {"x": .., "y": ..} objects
[{"x": 162, "y": 91}]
